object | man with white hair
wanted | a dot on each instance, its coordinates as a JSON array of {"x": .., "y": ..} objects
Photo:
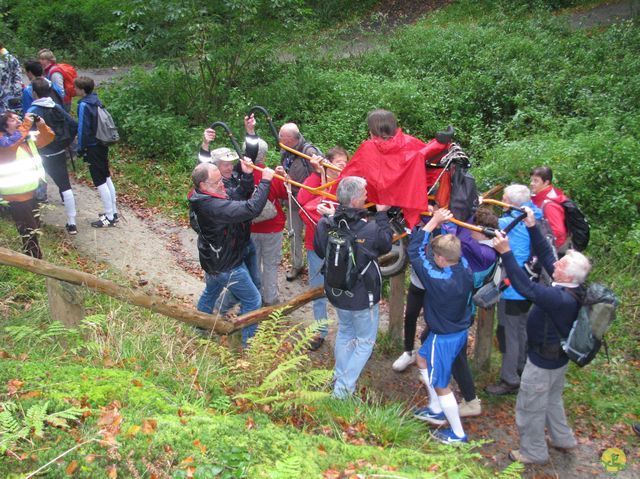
[
  {"x": 357, "y": 307},
  {"x": 298, "y": 170},
  {"x": 513, "y": 307},
  {"x": 554, "y": 310}
]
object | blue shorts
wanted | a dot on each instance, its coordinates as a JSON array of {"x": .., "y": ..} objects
[{"x": 440, "y": 351}]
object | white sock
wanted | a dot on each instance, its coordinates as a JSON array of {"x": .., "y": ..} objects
[
  {"x": 107, "y": 204},
  {"x": 112, "y": 190},
  {"x": 434, "y": 404},
  {"x": 450, "y": 407},
  {"x": 69, "y": 206}
]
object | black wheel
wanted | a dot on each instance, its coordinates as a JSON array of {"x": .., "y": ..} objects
[{"x": 395, "y": 261}]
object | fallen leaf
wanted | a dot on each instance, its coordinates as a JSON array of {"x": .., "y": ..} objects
[
  {"x": 133, "y": 430},
  {"x": 191, "y": 470},
  {"x": 30, "y": 395},
  {"x": 13, "y": 386},
  {"x": 137, "y": 383},
  {"x": 112, "y": 471},
  {"x": 89, "y": 458},
  {"x": 71, "y": 468},
  {"x": 250, "y": 424},
  {"x": 331, "y": 474},
  {"x": 149, "y": 426}
]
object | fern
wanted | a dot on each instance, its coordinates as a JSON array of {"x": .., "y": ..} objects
[
  {"x": 289, "y": 467},
  {"x": 17, "y": 426},
  {"x": 512, "y": 471},
  {"x": 276, "y": 369},
  {"x": 22, "y": 332}
]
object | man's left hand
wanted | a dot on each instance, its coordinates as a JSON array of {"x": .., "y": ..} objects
[{"x": 501, "y": 243}]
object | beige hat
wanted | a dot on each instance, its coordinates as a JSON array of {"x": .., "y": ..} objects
[{"x": 223, "y": 154}]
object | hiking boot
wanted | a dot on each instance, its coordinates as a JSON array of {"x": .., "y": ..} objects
[
  {"x": 502, "y": 388},
  {"x": 471, "y": 408},
  {"x": 115, "y": 217},
  {"x": 447, "y": 436},
  {"x": 565, "y": 449},
  {"x": 636, "y": 428},
  {"x": 405, "y": 360},
  {"x": 103, "y": 222},
  {"x": 516, "y": 455},
  {"x": 293, "y": 273},
  {"x": 71, "y": 229},
  {"x": 315, "y": 343},
  {"x": 426, "y": 414}
]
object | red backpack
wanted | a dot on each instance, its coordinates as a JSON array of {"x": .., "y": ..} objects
[{"x": 69, "y": 74}]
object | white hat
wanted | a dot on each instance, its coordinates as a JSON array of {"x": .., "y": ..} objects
[{"x": 223, "y": 154}]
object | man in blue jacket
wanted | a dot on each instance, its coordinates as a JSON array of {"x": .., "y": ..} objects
[
  {"x": 95, "y": 153},
  {"x": 554, "y": 310},
  {"x": 513, "y": 307}
]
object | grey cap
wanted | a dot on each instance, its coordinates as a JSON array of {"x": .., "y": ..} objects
[{"x": 223, "y": 154}]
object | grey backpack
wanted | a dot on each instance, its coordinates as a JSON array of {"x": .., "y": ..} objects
[
  {"x": 597, "y": 312},
  {"x": 106, "y": 131}
]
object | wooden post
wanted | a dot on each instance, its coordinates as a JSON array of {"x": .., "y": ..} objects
[
  {"x": 484, "y": 338},
  {"x": 66, "y": 302},
  {"x": 396, "y": 305}
]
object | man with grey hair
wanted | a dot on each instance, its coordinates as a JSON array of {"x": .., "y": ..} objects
[
  {"x": 357, "y": 307},
  {"x": 513, "y": 307},
  {"x": 221, "y": 226},
  {"x": 554, "y": 310},
  {"x": 298, "y": 170}
]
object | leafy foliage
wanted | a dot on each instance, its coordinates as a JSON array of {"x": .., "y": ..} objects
[
  {"x": 16, "y": 425},
  {"x": 276, "y": 369}
]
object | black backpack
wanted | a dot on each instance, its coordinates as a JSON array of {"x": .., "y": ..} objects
[
  {"x": 340, "y": 267},
  {"x": 576, "y": 223},
  {"x": 62, "y": 124}
]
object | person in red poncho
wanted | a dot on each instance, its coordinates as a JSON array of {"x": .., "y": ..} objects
[
  {"x": 549, "y": 199},
  {"x": 393, "y": 163},
  {"x": 310, "y": 216}
]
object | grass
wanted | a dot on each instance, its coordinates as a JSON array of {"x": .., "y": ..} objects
[{"x": 168, "y": 399}]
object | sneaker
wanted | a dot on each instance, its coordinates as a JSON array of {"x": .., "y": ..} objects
[
  {"x": 516, "y": 455},
  {"x": 103, "y": 222},
  {"x": 293, "y": 273},
  {"x": 426, "y": 414},
  {"x": 502, "y": 388},
  {"x": 405, "y": 360},
  {"x": 71, "y": 229},
  {"x": 315, "y": 343},
  {"x": 471, "y": 408},
  {"x": 447, "y": 436},
  {"x": 115, "y": 217}
]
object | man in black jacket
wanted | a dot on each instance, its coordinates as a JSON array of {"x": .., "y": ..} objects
[
  {"x": 357, "y": 308},
  {"x": 220, "y": 223}
]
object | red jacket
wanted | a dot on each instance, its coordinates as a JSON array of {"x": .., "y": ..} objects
[
  {"x": 309, "y": 202},
  {"x": 276, "y": 193},
  {"x": 550, "y": 201},
  {"x": 395, "y": 171}
]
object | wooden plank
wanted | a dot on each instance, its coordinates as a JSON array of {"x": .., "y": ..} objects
[
  {"x": 484, "y": 338},
  {"x": 66, "y": 302},
  {"x": 397, "y": 297}
]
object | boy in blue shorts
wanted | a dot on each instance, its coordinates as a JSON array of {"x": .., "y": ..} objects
[{"x": 448, "y": 283}]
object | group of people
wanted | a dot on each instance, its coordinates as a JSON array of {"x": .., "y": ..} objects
[
  {"x": 42, "y": 141},
  {"x": 448, "y": 264}
]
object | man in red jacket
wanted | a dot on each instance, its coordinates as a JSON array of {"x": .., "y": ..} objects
[{"x": 549, "y": 199}]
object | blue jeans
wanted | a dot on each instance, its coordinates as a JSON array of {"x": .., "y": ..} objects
[
  {"x": 250, "y": 260},
  {"x": 357, "y": 331},
  {"x": 239, "y": 283},
  {"x": 316, "y": 278}
]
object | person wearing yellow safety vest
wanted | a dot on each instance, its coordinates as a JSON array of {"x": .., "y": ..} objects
[{"x": 20, "y": 172}]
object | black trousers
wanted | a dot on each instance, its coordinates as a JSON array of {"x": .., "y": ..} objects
[{"x": 26, "y": 216}]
